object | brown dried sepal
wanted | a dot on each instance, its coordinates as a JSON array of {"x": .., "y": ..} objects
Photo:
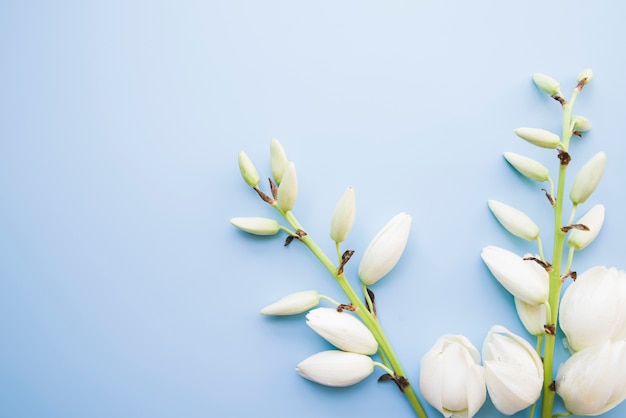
[
  {"x": 577, "y": 133},
  {"x": 580, "y": 227},
  {"x": 559, "y": 99},
  {"x": 564, "y": 157},
  {"x": 264, "y": 197},
  {"x": 549, "y": 197},
  {"x": 346, "y": 307},
  {"x": 400, "y": 381},
  {"x": 273, "y": 188},
  {"x": 550, "y": 329},
  {"x": 542, "y": 263},
  {"x": 370, "y": 298},
  {"x": 552, "y": 386},
  {"x": 571, "y": 274},
  {"x": 345, "y": 257},
  {"x": 288, "y": 240}
]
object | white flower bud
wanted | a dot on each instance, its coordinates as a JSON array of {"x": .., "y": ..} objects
[
  {"x": 513, "y": 371},
  {"x": 336, "y": 368},
  {"x": 451, "y": 377},
  {"x": 278, "y": 160},
  {"x": 588, "y": 178},
  {"x": 539, "y": 137},
  {"x": 530, "y": 168},
  {"x": 343, "y": 330},
  {"x": 593, "y": 219},
  {"x": 294, "y": 303},
  {"x": 524, "y": 279},
  {"x": 343, "y": 216},
  {"x": 585, "y": 77},
  {"x": 547, "y": 84},
  {"x": 533, "y": 317},
  {"x": 581, "y": 123},
  {"x": 592, "y": 381},
  {"x": 515, "y": 221},
  {"x": 256, "y": 225},
  {"x": 288, "y": 189},
  {"x": 592, "y": 309},
  {"x": 248, "y": 170}
]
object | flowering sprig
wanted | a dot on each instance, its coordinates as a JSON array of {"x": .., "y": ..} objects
[{"x": 352, "y": 327}]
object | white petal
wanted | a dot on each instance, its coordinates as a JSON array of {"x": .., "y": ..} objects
[
  {"x": 342, "y": 330},
  {"x": 292, "y": 304},
  {"x": 336, "y": 368}
]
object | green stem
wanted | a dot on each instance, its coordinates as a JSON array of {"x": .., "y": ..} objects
[{"x": 361, "y": 310}]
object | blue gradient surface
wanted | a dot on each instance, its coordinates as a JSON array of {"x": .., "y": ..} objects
[{"x": 124, "y": 291}]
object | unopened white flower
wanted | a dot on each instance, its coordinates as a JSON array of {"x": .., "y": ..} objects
[
  {"x": 384, "y": 251},
  {"x": 248, "y": 170},
  {"x": 451, "y": 377},
  {"x": 336, "y": 368},
  {"x": 539, "y": 137},
  {"x": 256, "y": 225},
  {"x": 288, "y": 189},
  {"x": 585, "y": 76},
  {"x": 593, "y": 381},
  {"x": 533, "y": 317},
  {"x": 513, "y": 371},
  {"x": 524, "y": 279},
  {"x": 588, "y": 178},
  {"x": 278, "y": 160},
  {"x": 592, "y": 309},
  {"x": 294, "y": 303},
  {"x": 580, "y": 123},
  {"x": 343, "y": 330},
  {"x": 514, "y": 220},
  {"x": 593, "y": 219},
  {"x": 343, "y": 216},
  {"x": 547, "y": 84},
  {"x": 530, "y": 168}
]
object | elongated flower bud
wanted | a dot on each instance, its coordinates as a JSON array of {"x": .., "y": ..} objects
[
  {"x": 342, "y": 330},
  {"x": 547, "y": 84},
  {"x": 513, "y": 371},
  {"x": 588, "y": 178},
  {"x": 530, "y": 168},
  {"x": 580, "y": 123},
  {"x": 336, "y": 368},
  {"x": 515, "y": 221},
  {"x": 278, "y": 160},
  {"x": 384, "y": 251},
  {"x": 256, "y": 225},
  {"x": 248, "y": 170},
  {"x": 294, "y": 303},
  {"x": 343, "y": 216},
  {"x": 524, "y": 279},
  {"x": 594, "y": 219},
  {"x": 533, "y": 317},
  {"x": 585, "y": 77},
  {"x": 539, "y": 137},
  {"x": 288, "y": 189}
]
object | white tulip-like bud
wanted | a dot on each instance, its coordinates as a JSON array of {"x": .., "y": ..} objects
[
  {"x": 278, "y": 160},
  {"x": 336, "y": 368},
  {"x": 592, "y": 309},
  {"x": 343, "y": 216},
  {"x": 539, "y": 137},
  {"x": 530, "y": 168},
  {"x": 585, "y": 77},
  {"x": 294, "y": 303},
  {"x": 256, "y": 225},
  {"x": 592, "y": 381},
  {"x": 580, "y": 123},
  {"x": 533, "y": 317},
  {"x": 248, "y": 170},
  {"x": 288, "y": 189},
  {"x": 384, "y": 251},
  {"x": 593, "y": 219},
  {"x": 513, "y": 220},
  {"x": 524, "y": 279},
  {"x": 343, "y": 330},
  {"x": 547, "y": 84},
  {"x": 513, "y": 371},
  {"x": 451, "y": 377},
  {"x": 588, "y": 178}
]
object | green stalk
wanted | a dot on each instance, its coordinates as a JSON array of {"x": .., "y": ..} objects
[{"x": 361, "y": 310}]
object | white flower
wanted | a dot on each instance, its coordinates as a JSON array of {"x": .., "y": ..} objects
[
  {"x": 256, "y": 225},
  {"x": 248, "y": 170},
  {"x": 587, "y": 178},
  {"x": 278, "y": 160},
  {"x": 515, "y": 221},
  {"x": 530, "y": 168},
  {"x": 294, "y": 303},
  {"x": 336, "y": 368},
  {"x": 288, "y": 189},
  {"x": 593, "y": 308},
  {"x": 593, "y": 219},
  {"x": 593, "y": 380},
  {"x": 343, "y": 216},
  {"x": 451, "y": 377},
  {"x": 385, "y": 249},
  {"x": 342, "y": 330},
  {"x": 533, "y": 317},
  {"x": 513, "y": 371},
  {"x": 547, "y": 84},
  {"x": 539, "y": 137},
  {"x": 524, "y": 279}
]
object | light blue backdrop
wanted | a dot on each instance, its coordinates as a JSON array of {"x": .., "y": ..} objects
[{"x": 125, "y": 292}]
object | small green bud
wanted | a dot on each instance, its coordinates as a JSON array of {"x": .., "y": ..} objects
[
  {"x": 248, "y": 170},
  {"x": 530, "y": 168},
  {"x": 539, "y": 137},
  {"x": 547, "y": 84},
  {"x": 288, "y": 189},
  {"x": 343, "y": 216},
  {"x": 594, "y": 219},
  {"x": 588, "y": 178},
  {"x": 278, "y": 160},
  {"x": 256, "y": 225},
  {"x": 580, "y": 123},
  {"x": 513, "y": 220},
  {"x": 584, "y": 77}
]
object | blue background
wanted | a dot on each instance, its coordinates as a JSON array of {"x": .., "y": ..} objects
[{"x": 124, "y": 291}]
